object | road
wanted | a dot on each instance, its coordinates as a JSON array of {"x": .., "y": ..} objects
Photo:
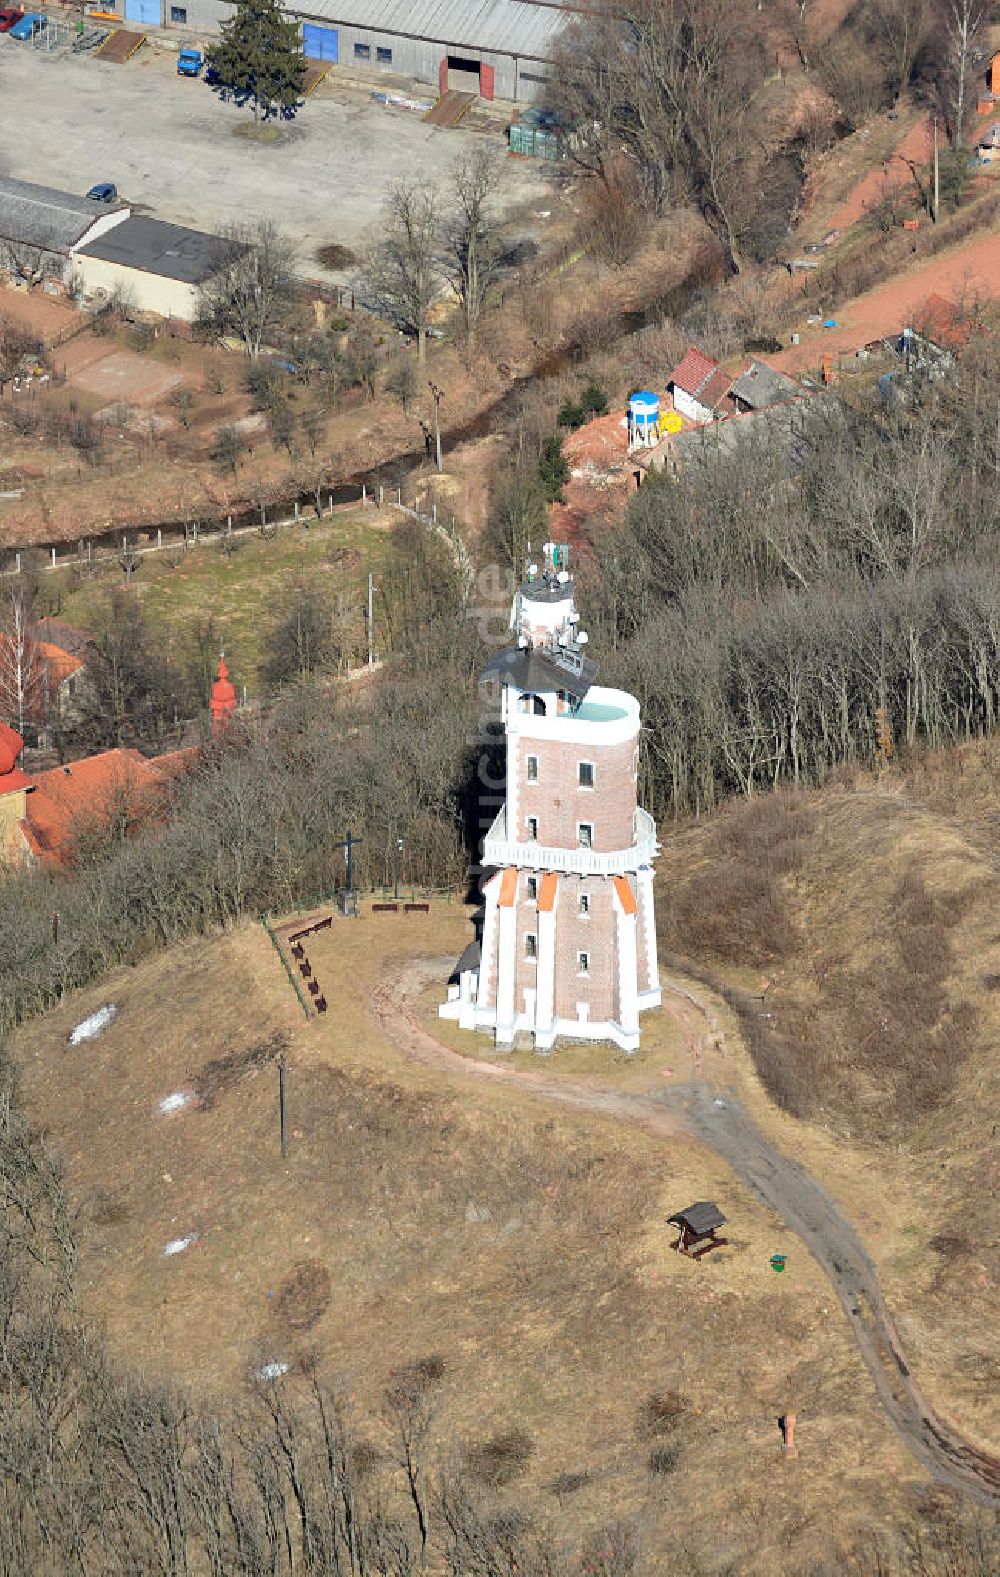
[{"x": 697, "y": 1110}]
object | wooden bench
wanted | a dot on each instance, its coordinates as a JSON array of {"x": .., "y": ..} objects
[
  {"x": 320, "y": 1004},
  {"x": 416, "y": 908},
  {"x": 385, "y": 908}
]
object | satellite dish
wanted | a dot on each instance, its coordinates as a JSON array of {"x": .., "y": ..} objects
[
  {"x": 563, "y": 577},
  {"x": 532, "y": 569},
  {"x": 582, "y": 638}
]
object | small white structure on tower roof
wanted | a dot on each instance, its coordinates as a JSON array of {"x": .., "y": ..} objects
[{"x": 568, "y": 946}]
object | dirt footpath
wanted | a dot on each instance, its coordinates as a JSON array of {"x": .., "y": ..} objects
[
  {"x": 969, "y": 274},
  {"x": 696, "y": 1109}
]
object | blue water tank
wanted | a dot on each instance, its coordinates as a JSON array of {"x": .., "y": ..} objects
[{"x": 644, "y": 410}]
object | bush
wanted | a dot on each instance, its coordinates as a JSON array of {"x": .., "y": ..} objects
[
  {"x": 500, "y": 1459},
  {"x": 661, "y": 1413},
  {"x": 663, "y": 1460}
]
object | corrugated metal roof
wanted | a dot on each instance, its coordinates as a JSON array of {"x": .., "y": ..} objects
[
  {"x": 502, "y": 27},
  {"x": 40, "y": 216}
]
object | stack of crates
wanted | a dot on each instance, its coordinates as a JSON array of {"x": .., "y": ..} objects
[{"x": 536, "y": 134}]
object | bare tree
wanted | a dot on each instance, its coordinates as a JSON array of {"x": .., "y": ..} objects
[
  {"x": 15, "y": 344},
  {"x": 22, "y": 666},
  {"x": 410, "y": 1403},
  {"x": 471, "y": 246},
  {"x": 964, "y": 21},
  {"x": 245, "y": 294},
  {"x": 903, "y": 26},
  {"x": 402, "y": 272}
]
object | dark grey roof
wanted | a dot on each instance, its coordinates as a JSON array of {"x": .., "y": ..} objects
[
  {"x": 154, "y": 247},
  {"x": 785, "y": 426},
  {"x": 40, "y": 216},
  {"x": 533, "y": 670},
  {"x": 470, "y": 959},
  {"x": 760, "y": 386},
  {"x": 704, "y": 1216}
]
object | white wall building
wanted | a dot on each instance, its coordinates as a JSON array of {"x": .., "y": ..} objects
[{"x": 568, "y": 944}]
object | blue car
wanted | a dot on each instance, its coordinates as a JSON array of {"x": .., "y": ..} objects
[
  {"x": 28, "y": 26},
  {"x": 104, "y": 192},
  {"x": 189, "y": 63}
]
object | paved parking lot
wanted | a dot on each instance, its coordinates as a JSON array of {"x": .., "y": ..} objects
[{"x": 172, "y": 145}]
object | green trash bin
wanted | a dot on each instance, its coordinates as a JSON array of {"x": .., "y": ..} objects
[{"x": 778, "y": 1262}]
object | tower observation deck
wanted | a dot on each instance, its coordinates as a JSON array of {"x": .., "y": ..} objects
[{"x": 568, "y": 945}]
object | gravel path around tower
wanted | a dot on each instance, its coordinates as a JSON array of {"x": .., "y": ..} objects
[{"x": 696, "y": 1110}]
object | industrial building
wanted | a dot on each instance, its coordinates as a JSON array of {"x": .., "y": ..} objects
[
  {"x": 40, "y": 227},
  {"x": 494, "y": 48}
]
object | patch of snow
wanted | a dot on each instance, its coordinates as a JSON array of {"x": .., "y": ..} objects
[
  {"x": 178, "y": 1245},
  {"x": 175, "y": 1102},
  {"x": 94, "y": 1024},
  {"x": 720, "y": 1102},
  {"x": 271, "y": 1371}
]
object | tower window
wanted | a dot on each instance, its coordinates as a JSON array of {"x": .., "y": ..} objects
[
  {"x": 585, "y": 834},
  {"x": 531, "y": 945},
  {"x": 532, "y": 888},
  {"x": 584, "y": 903},
  {"x": 583, "y": 963},
  {"x": 586, "y": 771},
  {"x": 532, "y": 769},
  {"x": 532, "y": 829},
  {"x": 539, "y": 706}
]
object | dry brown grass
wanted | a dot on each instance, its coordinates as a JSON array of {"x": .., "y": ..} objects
[
  {"x": 524, "y": 1245},
  {"x": 879, "y": 1031}
]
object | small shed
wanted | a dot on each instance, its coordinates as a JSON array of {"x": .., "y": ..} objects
[
  {"x": 697, "y": 1227},
  {"x": 698, "y": 385}
]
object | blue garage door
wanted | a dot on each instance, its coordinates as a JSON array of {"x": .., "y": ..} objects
[
  {"x": 145, "y": 11},
  {"x": 321, "y": 43}
]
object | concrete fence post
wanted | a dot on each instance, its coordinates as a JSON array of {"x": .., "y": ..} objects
[
  {"x": 399, "y": 497},
  {"x": 159, "y": 536},
  {"x": 364, "y": 493},
  {"x": 296, "y": 509},
  {"x": 434, "y": 513},
  {"x": 53, "y": 558},
  {"x": 17, "y": 563},
  {"x": 229, "y": 525},
  {"x": 381, "y": 496},
  {"x": 330, "y": 502}
]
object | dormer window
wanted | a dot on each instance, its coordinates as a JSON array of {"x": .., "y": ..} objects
[{"x": 539, "y": 706}]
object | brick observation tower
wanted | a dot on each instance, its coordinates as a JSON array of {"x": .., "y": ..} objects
[{"x": 568, "y": 944}]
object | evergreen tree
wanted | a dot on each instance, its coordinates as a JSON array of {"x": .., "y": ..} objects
[{"x": 259, "y": 58}]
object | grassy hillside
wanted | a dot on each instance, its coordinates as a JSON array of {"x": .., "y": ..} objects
[
  {"x": 855, "y": 931},
  {"x": 587, "y": 1376}
]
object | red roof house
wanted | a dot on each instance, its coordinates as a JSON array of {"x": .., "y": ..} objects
[{"x": 698, "y": 385}]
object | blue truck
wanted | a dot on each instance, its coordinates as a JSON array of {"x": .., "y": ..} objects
[
  {"x": 28, "y": 26},
  {"x": 189, "y": 63}
]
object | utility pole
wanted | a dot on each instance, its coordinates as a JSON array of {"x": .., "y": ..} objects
[
  {"x": 371, "y": 619},
  {"x": 437, "y": 393},
  {"x": 937, "y": 173},
  {"x": 396, "y": 864}
]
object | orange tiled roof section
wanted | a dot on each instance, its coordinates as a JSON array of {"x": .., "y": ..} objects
[
  {"x": 508, "y": 888},
  {"x": 11, "y": 776},
  {"x": 547, "y": 892},
  {"x": 625, "y": 894},
  {"x": 693, "y": 371},
  {"x": 86, "y": 788}
]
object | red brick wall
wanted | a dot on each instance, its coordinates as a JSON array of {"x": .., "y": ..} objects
[{"x": 560, "y": 803}]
